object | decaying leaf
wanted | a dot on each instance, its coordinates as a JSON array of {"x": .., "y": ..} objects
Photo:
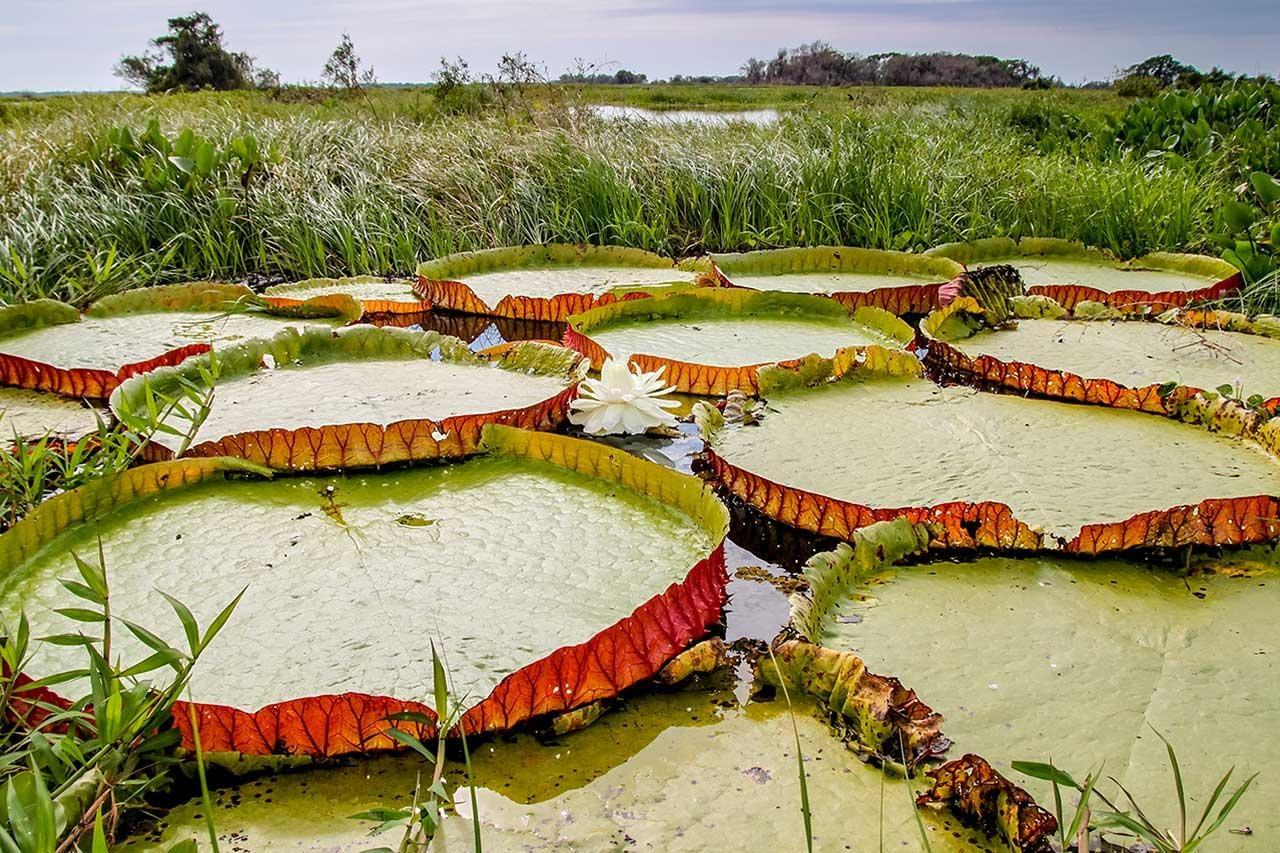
[{"x": 971, "y": 788}]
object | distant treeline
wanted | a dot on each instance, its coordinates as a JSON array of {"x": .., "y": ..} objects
[{"x": 820, "y": 64}]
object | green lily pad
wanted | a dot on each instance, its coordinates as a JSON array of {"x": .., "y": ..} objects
[
  {"x": 31, "y": 414},
  {"x": 1137, "y": 354},
  {"x": 827, "y": 269},
  {"x": 904, "y": 442},
  {"x": 363, "y": 288},
  {"x": 523, "y": 558},
  {"x": 1047, "y": 658},
  {"x": 682, "y": 772},
  {"x": 108, "y": 343}
]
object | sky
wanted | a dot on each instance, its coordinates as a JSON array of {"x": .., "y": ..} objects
[{"x": 74, "y": 44}]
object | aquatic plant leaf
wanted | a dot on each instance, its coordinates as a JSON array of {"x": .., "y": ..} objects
[
  {"x": 1204, "y": 278},
  {"x": 970, "y": 787},
  {"x": 346, "y": 443},
  {"x": 635, "y": 647},
  {"x": 209, "y": 300},
  {"x": 547, "y": 282},
  {"x": 898, "y": 282},
  {"x": 377, "y": 296},
  {"x": 711, "y": 341}
]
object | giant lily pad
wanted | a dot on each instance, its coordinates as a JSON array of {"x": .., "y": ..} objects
[
  {"x": 712, "y": 341},
  {"x": 362, "y": 396},
  {"x": 545, "y": 282},
  {"x": 1071, "y": 273},
  {"x": 685, "y": 771},
  {"x": 554, "y": 572},
  {"x": 49, "y": 346},
  {"x": 988, "y": 469},
  {"x": 375, "y": 295},
  {"x": 32, "y": 414},
  {"x": 899, "y": 282},
  {"x": 1132, "y": 363},
  {"x": 1039, "y": 658}
]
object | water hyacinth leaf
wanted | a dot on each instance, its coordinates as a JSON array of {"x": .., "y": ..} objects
[
  {"x": 51, "y": 347},
  {"x": 894, "y": 447},
  {"x": 360, "y": 397},
  {"x": 712, "y": 341},
  {"x": 1070, "y": 273},
  {"x": 548, "y": 282},
  {"x": 652, "y": 561},
  {"x": 899, "y": 282}
]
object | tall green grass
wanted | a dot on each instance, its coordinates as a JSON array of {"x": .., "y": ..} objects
[{"x": 348, "y": 194}]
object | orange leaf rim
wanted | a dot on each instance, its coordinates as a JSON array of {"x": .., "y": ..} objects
[
  {"x": 701, "y": 303},
  {"x": 361, "y": 444},
  {"x": 911, "y": 297},
  {"x": 992, "y": 525},
  {"x": 1227, "y": 279},
  {"x": 441, "y": 282},
  {"x": 97, "y": 384},
  {"x": 294, "y": 294},
  {"x": 620, "y": 656}
]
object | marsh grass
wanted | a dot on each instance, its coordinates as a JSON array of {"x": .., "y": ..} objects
[{"x": 347, "y": 195}]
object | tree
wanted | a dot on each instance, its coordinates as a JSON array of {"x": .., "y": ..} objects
[
  {"x": 191, "y": 56},
  {"x": 344, "y": 70},
  {"x": 1164, "y": 68}
]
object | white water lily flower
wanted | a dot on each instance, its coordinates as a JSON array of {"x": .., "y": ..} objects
[{"x": 623, "y": 400}]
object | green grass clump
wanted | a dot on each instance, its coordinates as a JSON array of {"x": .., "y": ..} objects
[{"x": 356, "y": 188}]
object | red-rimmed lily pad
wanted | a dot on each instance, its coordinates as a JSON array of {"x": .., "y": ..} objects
[
  {"x": 1045, "y": 658},
  {"x": 899, "y": 282},
  {"x": 1134, "y": 363},
  {"x": 50, "y": 346},
  {"x": 984, "y": 469},
  {"x": 377, "y": 296},
  {"x": 548, "y": 282},
  {"x": 1071, "y": 273},
  {"x": 713, "y": 341},
  {"x": 358, "y": 397},
  {"x": 33, "y": 414},
  {"x": 553, "y": 571}
]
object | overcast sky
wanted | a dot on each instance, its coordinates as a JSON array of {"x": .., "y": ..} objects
[{"x": 73, "y": 44}]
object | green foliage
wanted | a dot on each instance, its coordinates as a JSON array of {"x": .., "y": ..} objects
[
  {"x": 185, "y": 162},
  {"x": 1237, "y": 125},
  {"x": 421, "y": 819},
  {"x": 69, "y": 774},
  {"x": 1134, "y": 822},
  {"x": 1250, "y": 242}
]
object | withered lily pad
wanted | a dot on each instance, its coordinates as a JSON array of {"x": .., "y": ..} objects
[
  {"x": 32, "y": 414},
  {"x": 554, "y": 572},
  {"x": 992, "y": 469},
  {"x": 899, "y": 282},
  {"x": 1070, "y": 272},
  {"x": 686, "y": 771},
  {"x": 712, "y": 340},
  {"x": 50, "y": 346},
  {"x": 361, "y": 396},
  {"x": 1040, "y": 658},
  {"x": 545, "y": 282}
]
